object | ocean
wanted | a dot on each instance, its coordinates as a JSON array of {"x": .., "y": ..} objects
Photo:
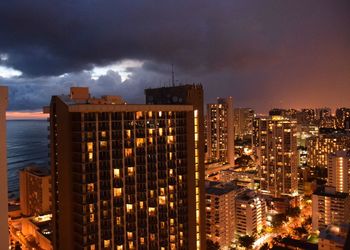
[{"x": 27, "y": 143}]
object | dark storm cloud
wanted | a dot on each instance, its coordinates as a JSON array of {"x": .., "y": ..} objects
[{"x": 257, "y": 51}]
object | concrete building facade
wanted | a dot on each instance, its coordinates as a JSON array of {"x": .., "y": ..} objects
[
  {"x": 220, "y": 131},
  {"x": 128, "y": 176},
  {"x": 35, "y": 191},
  {"x": 278, "y": 156},
  {"x": 4, "y": 238}
]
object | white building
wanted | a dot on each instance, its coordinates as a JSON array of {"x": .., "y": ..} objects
[
  {"x": 339, "y": 171},
  {"x": 3, "y": 171},
  {"x": 250, "y": 213}
]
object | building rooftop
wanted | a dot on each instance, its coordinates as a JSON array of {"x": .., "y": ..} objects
[
  {"x": 330, "y": 192},
  {"x": 37, "y": 170},
  {"x": 335, "y": 233},
  {"x": 221, "y": 188}
]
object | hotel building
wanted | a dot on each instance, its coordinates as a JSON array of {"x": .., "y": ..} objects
[
  {"x": 220, "y": 131},
  {"x": 329, "y": 207},
  {"x": 339, "y": 171},
  {"x": 4, "y": 240},
  {"x": 128, "y": 176},
  {"x": 220, "y": 212},
  {"x": 277, "y": 153},
  {"x": 250, "y": 213},
  {"x": 35, "y": 191}
]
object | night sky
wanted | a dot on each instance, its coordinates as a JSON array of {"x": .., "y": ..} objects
[{"x": 265, "y": 54}]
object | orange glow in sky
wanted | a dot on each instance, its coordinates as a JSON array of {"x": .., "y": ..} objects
[{"x": 25, "y": 115}]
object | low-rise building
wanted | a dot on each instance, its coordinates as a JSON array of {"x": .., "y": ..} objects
[
  {"x": 333, "y": 237},
  {"x": 250, "y": 214}
]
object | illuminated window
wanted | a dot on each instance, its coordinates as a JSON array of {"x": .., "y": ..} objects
[
  {"x": 131, "y": 245},
  {"x": 103, "y": 134},
  {"x": 172, "y": 221},
  {"x": 91, "y": 156},
  {"x": 180, "y": 178},
  {"x": 142, "y": 240},
  {"x": 160, "y": 113},
  {"x": 128, "y": 152},
  {"x": 172, "y": 238},
  {"x": 91, "y": 208},
  {"x": 117, "y": 192},
  {"x": 150, "y": 140},
  {"x": 162, "y": 225},
  {"x": 90, "y": 187},
  {"x": 140, "y": 142},
  {"x": 170, "y": 139},
  {"x": 138, "y": 115},
  {"x": 152, "y": 237},
  {"x": 103, "y": 144},
  {"x": 162, "y": 200},
  {"x": 170, "y": 155},
  {"x": 151, "y": 193},
  {"x": 150, "y": 131},
  {"x": 118, "y": 220},
  {"x": 107, "y": 243},
  {"x": 141, "y": 205},
  {"x": 92, "y": 247},
  {"x": 92, "y": 217},
  {"x": 171, "y": 205},
  {"x": 128, "y": 133},
  {"x": 120, "y": 247},
  {"x": 162, "y": 191},
  {"x": 90, "y": 146},
  {"x": 150, "y": 114},
  {"x": 129, "y": 208},
  {"x": 171, "y": 172},
  {"x": 151, "y": 211},
  {"x": 171, "y": 188},
  {"x": 116, "y": 173},
  {"x": 129, "y": 235},
  {"x": 160, "y": 130},
  {"x": 131, "y": 171}
]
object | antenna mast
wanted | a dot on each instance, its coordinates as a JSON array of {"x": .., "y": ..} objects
[{"x": 172, "y": 75}]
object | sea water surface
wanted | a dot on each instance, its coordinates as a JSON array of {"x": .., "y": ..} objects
[{"x": 27, "y": 143}]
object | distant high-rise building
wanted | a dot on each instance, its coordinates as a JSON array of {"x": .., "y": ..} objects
[
  {"x": 128, "y": 176},
  {"x": 220, "y": 131},
  {"x": 323, "y": 113},
  {"x": 278, "y": 156},
  {"x": 220, "y": 217},
  {"x": 243, "y": 122},
  {"x": 319, "y": 147},
  {"x": 35, "y": 195},
  {"x": 306, "y": 117},
  {"x": 342, "y": 115},
  {"x": 4, "y": 240},
  {"x": 250, "y": 213},
  {"x": 339, "y": 171},
  {"x": 329, "y": 207}
]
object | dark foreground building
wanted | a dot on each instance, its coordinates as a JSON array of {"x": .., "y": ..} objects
[{"x": 128, "y": 176}]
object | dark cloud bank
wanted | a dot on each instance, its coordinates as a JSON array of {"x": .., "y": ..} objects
[{"x": 263, "y": 53}]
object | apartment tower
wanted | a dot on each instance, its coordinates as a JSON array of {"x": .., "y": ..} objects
[
  {"x": 128, "y": 176},
  {"x": 35, "y": 194},
  {"x": 339, "y": 171},
  {"x": 278, "y": 156},
  {"x": 4, "y": 240},
  {"x": 220, "y": 131}
]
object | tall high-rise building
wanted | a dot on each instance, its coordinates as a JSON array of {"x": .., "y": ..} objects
[
  {"x": 250, "y": 213},
  {"x": 35, "y": 194},
  {"x": 339, "y": 171},
  {"x": 278, "y": 157},
  {"x": 220, "y": 131},
  {"x": 189, "y": 95},
  {"x": 128, "y": 176},
  {"x": 243, "y": 122},
  {"x": 329, "y": 207},
  {"x": 320, "y": 147},
  {"x": 4, "y": 240},
  {"x": 342, "y": 114},
  {"x": 220, "y": 217}
]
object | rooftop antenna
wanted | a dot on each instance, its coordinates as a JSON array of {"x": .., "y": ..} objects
[{"x": 172, "y": 75}]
